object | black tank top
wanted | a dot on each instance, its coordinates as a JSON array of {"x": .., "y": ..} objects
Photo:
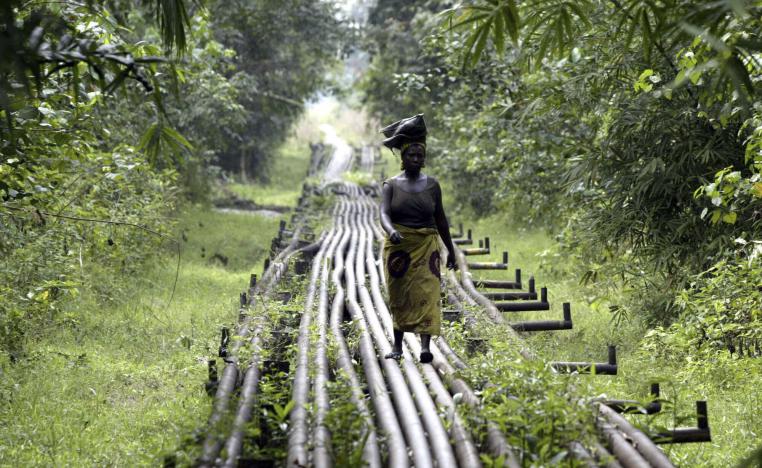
[{"x": 414, "y": 210}]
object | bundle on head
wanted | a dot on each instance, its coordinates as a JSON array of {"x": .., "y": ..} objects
[{"x": 404, "y": 132}]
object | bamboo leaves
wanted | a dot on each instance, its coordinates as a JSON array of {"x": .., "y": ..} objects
[
  {"x": 496, "y": 18},
  {"x": 549, "y": 27},
  {"x": 172, "y": 18},
  {"x": 160, "y": 139}
]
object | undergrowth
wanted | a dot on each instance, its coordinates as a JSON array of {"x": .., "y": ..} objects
[
  {"x": 688, "y": 365},
  {"x": 120, "y": 382}
]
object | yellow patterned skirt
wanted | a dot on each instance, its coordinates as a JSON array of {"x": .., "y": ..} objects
[{"x": 412, "y": 273}]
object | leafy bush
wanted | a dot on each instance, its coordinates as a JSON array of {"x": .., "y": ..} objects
[
  {"x": 88, "y": 229},
  {"x": 721, "y": 310}
]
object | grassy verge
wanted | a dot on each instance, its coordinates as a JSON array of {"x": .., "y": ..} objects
[
  {"x": 728, "y": 384},
  {"x": 286, "y": 176},
  {"x": 121, "y": 383}
]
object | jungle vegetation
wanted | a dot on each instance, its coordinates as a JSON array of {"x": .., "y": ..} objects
[
  {"x": 628, "y": 129},
  {"x": 115, "y": 112}
]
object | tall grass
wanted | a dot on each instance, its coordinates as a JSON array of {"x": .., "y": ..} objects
[{"x": 120, "y": 381}]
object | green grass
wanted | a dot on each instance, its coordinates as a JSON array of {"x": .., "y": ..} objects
[
  {"x": 122, "y": 383},
  {"x": 728, "y": 384},
  {"x": 287, "y": 174}
]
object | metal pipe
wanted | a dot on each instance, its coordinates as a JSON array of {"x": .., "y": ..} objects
[
  {"x": 510, "y": 296},
  {"x": 247, "y": 400},
  {"x": 224, "y": 340},
  {"x": 371, "y": 454},
  {"x": 321, "y": 434},
  {"x": 252, "y": 374},
  {"x": 297, "y": 438},
  {"x": 464, "y": 446},
  {"x": 625, "y": 453},
  {"x": 681, "y": 435},
  {"x": 385, "y": 412},
  {"x": 642, "y": 443},
  {"x": 214, "y": 440},
  {"x": 607, "y": 368},
  {"x": 499, "y": 284},
  {"x": 452, "y": 357},
  {"x": 401, "y": 393},
  {"x": 487, "y": 266},
  {"x": 414, "y": 377},
  {"x": 477, "y": 251},
  {"x": 579, "y": 452},
  {"x": 633, "y": 406},
  {"x": 546, "y": 325},
  {"x": 521, "y": 306}
]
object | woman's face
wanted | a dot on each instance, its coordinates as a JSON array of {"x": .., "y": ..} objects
[{"x": 414, "y": 158}]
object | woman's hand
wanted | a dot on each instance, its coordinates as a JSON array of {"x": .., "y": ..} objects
[
  {"x": 395, "y": 237},
  {"x": 452, "y": 264}
]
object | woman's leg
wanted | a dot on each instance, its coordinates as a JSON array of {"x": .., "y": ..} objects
[
  {"x": 426, "y": 355},
  {"x": 398, "y": 334},
  {"x": 397, "y": 348},
  {"x": 425, "y": 342}
]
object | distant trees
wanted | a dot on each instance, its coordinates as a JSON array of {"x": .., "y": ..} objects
[{"x": 282, "y": 51}]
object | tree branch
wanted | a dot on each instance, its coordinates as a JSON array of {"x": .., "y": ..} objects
[{"x": 94, "y": 220}]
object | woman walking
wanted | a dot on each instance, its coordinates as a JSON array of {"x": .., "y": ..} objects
[{"x": 412, "y": 215}]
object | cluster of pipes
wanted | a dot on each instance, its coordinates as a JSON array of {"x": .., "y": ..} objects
[{"x": 409, "y": 408}]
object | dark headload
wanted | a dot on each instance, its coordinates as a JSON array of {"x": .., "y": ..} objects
[{"x": 405, "y": 131}]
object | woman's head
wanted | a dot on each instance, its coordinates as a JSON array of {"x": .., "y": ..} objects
[
  {"x": 413, "y": 156},
  {"x": 409, "y": 136}
]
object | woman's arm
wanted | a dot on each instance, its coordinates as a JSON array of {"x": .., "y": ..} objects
[
  {"x": 386, "y": 217},
  {"x": 443, "y": 227}
]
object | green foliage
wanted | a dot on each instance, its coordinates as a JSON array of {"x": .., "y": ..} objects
[
  {"x": 349, "y": 430},
  {"x": 63, "y": 222},
  {"x": 686, "y": 373},
  {"x": 532, "y": 405},
  {"x": 721, "y": 310},
  {"x": 79, "y": 199},
  {"x": 104, "y": 131},
  {"x": 574, "y": 129},
  {"x": 281, "y": 53}
]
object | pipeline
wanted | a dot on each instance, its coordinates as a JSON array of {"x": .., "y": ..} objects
[
  {"x": 401, "y": 393},
  {"x": 297, "y": 438},
  {"x": 214, "y": 441},
  {"x": 438, "y": 438},
  {"x": 409, "y": 425},
  {"x": 412, "y": 425},
  {"x": 371, "y": 454},
  {"x": 467, "y": 453},
  {"x": 385, "y": 413},
  {"x": 322, "y": 436},
  {"x": 650, "y": 452},
  {"x": 647, "y": 453},
  {"x": 234, "y": 444}
]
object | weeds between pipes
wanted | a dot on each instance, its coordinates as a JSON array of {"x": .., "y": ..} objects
[
  {"x": 526, "y": 399},
  {"x": 267, "y": 432}
]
